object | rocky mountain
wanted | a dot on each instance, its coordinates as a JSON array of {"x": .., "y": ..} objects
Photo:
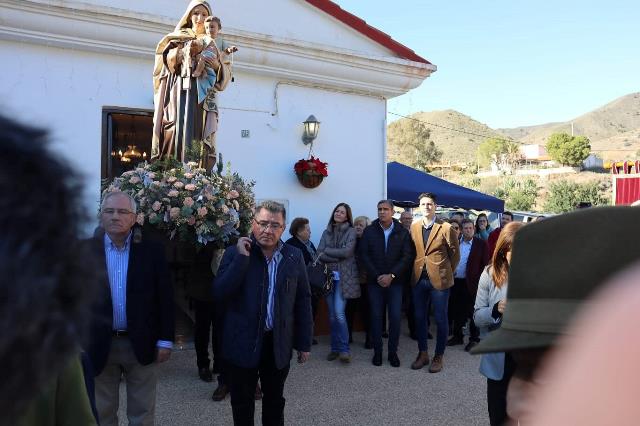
[
  {"x": 611, "y": 120},
  {"x": 614, "y": 131},
  {"x": 455, "y": 146}
]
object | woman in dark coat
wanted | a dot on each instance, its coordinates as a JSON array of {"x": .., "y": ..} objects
[{"x": 301, "y": 238}]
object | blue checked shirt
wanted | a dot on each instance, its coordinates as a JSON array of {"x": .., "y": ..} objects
[
  {"x": 117, "y": 268},
  {"x": 272, "y": 269}
]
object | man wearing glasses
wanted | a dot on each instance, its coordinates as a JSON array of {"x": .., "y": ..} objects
[
  {"x": 262, "y": 285},
  {"x": 133, "y": 325}
]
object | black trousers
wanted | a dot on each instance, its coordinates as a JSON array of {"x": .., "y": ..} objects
[
  {"x": 461, "y": 309},
  {"x": 497, "y": 394},
  {"x": 407, "y": 307},
  {"x": 243, "y": 388},
  {"x": 205, "y": 332}
]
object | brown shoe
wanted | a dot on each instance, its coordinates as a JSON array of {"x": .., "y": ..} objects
[
  {"x": 436, "y": 364},
  {"x": 421, "y": 360},
  {"x": 220, "y": 393}
]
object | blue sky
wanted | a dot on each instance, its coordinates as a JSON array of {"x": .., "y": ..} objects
[{"x": 514, "y": 63}]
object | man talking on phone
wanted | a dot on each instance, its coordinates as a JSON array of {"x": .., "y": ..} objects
[{"x": 263, "y": 288}]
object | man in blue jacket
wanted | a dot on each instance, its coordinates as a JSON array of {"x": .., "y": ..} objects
[{"x": 262, "y": 285}]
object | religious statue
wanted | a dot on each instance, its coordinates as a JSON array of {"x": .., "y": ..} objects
[{"x": 192, "y": 64}]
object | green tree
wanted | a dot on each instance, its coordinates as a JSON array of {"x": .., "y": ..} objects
[
  {"x": 500, "y": 151},
  {"x": 564, "y": 196},
  {"x": 518, "y": 194},
  {"x": 567, "y": 149},
  {"x": 409, "y": 144}
]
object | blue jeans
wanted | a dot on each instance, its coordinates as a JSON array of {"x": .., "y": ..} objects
[
  {"x": 424, "y": 292},
  {"x": 394, "y": 300},
  {"x": 339, "y": 331}
]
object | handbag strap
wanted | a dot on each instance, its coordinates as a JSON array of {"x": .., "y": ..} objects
[{"x": 315, "y": 261}]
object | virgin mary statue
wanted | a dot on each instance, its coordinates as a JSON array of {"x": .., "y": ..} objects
[{"x": 179, "y": 119}]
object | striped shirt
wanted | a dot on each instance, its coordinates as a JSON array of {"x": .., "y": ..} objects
[
  {"x": 117, "y": 268},
  {"x": 272, "y": 269}
]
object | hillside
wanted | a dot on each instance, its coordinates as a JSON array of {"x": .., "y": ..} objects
[
  {"x": 614, "y": 131},
  {"x": 456, "y": 146},
  {"x": 615, "y": 118}
]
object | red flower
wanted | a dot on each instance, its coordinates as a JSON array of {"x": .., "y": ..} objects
[{"x": 311, "y": 166}]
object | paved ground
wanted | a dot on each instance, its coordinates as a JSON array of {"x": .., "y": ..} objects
[{"x": 329, "y": 393}]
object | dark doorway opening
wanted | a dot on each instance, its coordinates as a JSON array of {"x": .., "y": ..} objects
[{"x": 126, "y": 139}]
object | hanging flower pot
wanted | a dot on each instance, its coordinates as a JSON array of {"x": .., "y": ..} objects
[{"x": 310, "y": 172}]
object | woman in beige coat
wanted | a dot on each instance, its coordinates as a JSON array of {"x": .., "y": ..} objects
[{"x": 337, "y": 249}]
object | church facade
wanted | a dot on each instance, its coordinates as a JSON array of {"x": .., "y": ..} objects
[{"x": 84, "y": 71}]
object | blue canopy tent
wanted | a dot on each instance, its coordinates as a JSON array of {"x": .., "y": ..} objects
[{"x": 405, "y": 184}]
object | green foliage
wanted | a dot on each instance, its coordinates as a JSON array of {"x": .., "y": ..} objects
[
  {"x": 569, "y": 150},
  {"x": 409, "y": 144},
  {"x": 518, "y": 194},
  {"x": 564, "y": 196},
  {"x": 499, "y": 151}
]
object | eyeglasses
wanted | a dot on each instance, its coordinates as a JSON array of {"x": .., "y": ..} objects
[
  {"x": 121, "y": 212},
  {"x": 266, "y": 225}
]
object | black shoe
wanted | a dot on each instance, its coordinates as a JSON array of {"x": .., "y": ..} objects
[
  {"x": 394, "y": 360},
  {"x": 314, "y": 342},
  {"x": 377, "y": 359},
  {"x": 429, "y": 336},
  {"x": 455, "y": 341},
  {"x": 205, "y": 374},
  {"x": 220, "y": 393},
  {"x": 470, "y": 345}
]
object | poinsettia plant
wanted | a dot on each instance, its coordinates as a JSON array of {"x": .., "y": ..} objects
[
  {"x": 184, "y": 200},
  {"x": 311, "y": 166}
]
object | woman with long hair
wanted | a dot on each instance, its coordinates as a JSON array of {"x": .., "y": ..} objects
[
  {"x": 483, "y": 229},
  {"x": 337, "y": 248},
  {"x": 490, "y": 303},
  {"x": 362, "y": 304}
]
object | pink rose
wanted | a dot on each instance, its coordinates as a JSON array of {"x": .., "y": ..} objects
[
  {"x": 190, "y": 187},
  {"x": 156, "y": 183},
  {"x": 225, "y": 209},
  {"x": 233, "y": 194},
  {"x": 179, "y": 185},
  {"x": 188, "y": 201},
  {"x": 188, "y": 175},
  {"x": 173, "y": 193},
  {"x": 140, "y": 219},
  {"x": 174, "y": 213},
  {"x": 202, "y": 211},
  {"x": 220, "y": 223},
  {"x": 191, "y": 221},
  {"x": 171, "y": 179},
  {"x": 151, "y": 175},
  {"x": 206, "y": 181},
  {"x": 156, "y": 206},
  {"x": 236, "y": 205},
  {"x": 134, "y": 180}
]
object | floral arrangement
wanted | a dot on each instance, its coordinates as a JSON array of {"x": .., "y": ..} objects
[
  {"x": 311, "y": 166},
  {"x": 184, "y": 200}
]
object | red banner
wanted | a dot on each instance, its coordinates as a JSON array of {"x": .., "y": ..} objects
[{"x": 626, "y": 189}]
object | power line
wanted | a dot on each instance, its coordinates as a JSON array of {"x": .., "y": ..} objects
[{"x": 456, "y": 130}]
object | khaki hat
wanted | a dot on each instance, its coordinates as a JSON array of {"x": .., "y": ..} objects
[{"x": 556, "y": 265}]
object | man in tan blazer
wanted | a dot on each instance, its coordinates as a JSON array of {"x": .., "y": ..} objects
[{"x": 437, "y": 255}]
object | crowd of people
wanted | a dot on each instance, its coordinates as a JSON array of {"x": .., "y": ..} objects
[{"x": 86, "y": 323}]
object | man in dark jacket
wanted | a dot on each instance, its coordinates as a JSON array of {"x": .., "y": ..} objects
[
  {"x": 474, "y": 256},
  {"x": 387, "y": 253},
  {"x": 263, "y": 285},
  {"x": 133, "y": 325}
]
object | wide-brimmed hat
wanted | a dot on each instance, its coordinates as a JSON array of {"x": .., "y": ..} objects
[{"x": 556, "y": 265}]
